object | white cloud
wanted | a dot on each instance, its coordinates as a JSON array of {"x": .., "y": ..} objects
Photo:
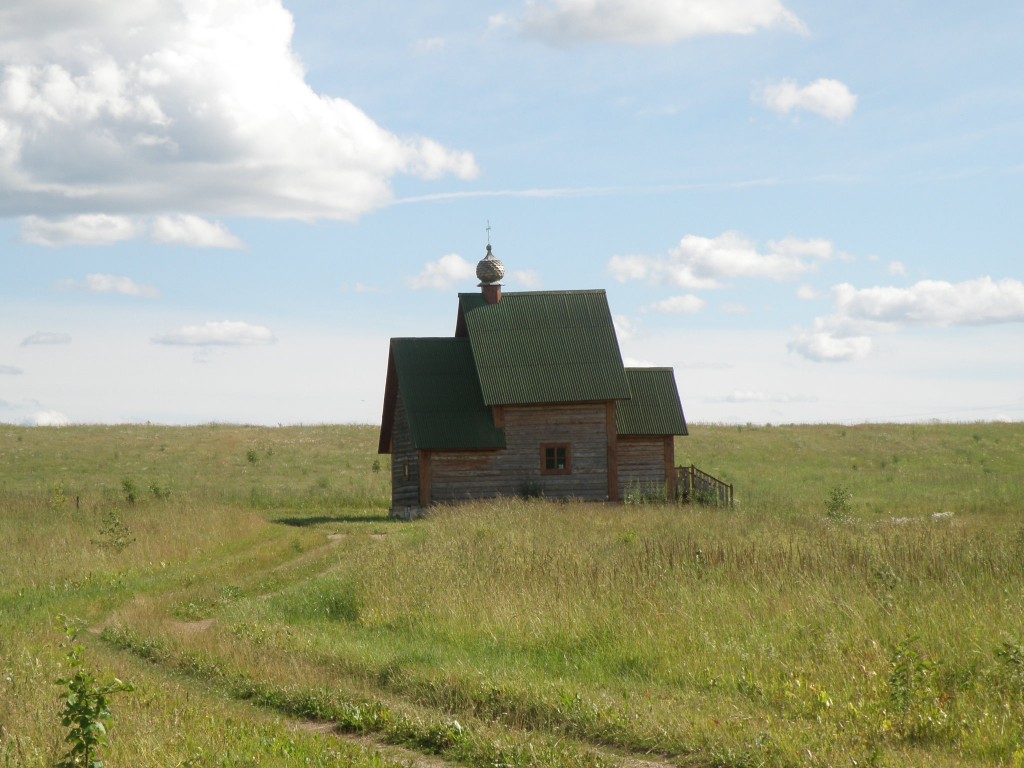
[
  {"x": 47, "y": 419},
  {"x": 185, "y": 105},
  {"x": 811, "y": 248},
  {"x": 859, "y": 313},
  {"x": 678, "y": 305},
  {"x": 124, "y": 286},
  {"x": 10, "y": 370},
  {"x": 103, "y": 229},
  {"x": 634, "y": 362},
  {"x": 935, "y": 303},
  {"x": 702, "y": 263},
  {"x": 193, "y": 231},
  {"x": 625, "y": 327},
  {"x": 44, "y": 338},
  {"x": 87, "y": 229},
  {"x": 807, "y": 293},
  {"x": 223, "y": 334},
  {"x": 897, "y": 268},
  {"x": 626, "y": 268},
  {"x": 830, "y": 99},
  {"x": 444, "y": 273},
  {"x": 525, "y": 278},
  {"x": 825, "y": 347},
  {"x": 650, "y": 22}
]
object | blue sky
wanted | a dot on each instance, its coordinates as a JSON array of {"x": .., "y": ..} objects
[{"x": 222, "y": 211}]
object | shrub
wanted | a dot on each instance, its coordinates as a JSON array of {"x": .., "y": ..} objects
[
  {"x": 530, "y": 489},
  {"x": 159, "y": 491},
  {"x": 57, "y": 499},
  {"x": 837, "y": 505},
  {"x": 130, "y": 491},
  {"x": 84, "y": 707},
  {"x": 913, "y": 706},
  {"x": 114, "y": 532}
]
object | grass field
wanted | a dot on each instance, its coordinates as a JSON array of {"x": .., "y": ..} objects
[{"x": 863, "y": 604}]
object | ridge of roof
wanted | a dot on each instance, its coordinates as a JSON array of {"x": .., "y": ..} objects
[
  {"x": 536, "y": 293},
  {"x": 544, "y": 347}
]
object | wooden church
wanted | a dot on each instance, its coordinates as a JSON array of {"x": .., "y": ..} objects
[{"x": 529, "y": 397}]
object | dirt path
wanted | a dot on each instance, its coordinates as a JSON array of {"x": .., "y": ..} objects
[{"x": 390, "y": 752}]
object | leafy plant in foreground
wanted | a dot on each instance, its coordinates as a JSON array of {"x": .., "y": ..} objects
[
  {"x": 915, "y": 710},
  {"x": 84, "y": 704}
]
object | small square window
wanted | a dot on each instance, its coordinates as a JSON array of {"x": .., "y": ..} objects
[{"x": 556, "y": 459}]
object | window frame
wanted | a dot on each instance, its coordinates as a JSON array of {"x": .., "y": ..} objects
[{"x": 545, "y": 447}]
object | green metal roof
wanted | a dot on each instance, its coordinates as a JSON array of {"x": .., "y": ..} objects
[
  {"x": 544, "y": 347},
  {"x": 654, "y": 408},
  {"x": 438, "y": 383}
]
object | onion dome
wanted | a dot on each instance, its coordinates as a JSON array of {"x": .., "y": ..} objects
[{"x": 489, "y": 269}]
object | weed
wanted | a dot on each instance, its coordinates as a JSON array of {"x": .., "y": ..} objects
[
  {"x": 252, "y": 456},
  {"x": 837, "y": 505},
  {"x": 329, "y": 599},
  {"x": 644, "y": 493},
  {"x": 160, "y": 491},
  {"x": 1011, "y": 654},
  {"x": 84, "y": 709},
  {"x": 706, "y": 497},
  {"x": 913, "y": 707},
  {"x": 58, "y": 500},
  {"x": 260, "y": 499},
  {"x": 376, "y": 465},
  {"x": 114, "y": 532},
  {"x": 530, "y": 489},
  {"x": 130, "y": 491}
]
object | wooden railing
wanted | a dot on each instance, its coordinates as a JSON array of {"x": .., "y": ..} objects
[{"x": 695, "y": 485}]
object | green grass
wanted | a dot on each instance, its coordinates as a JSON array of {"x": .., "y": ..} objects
[{"x": 268, "y": 591}]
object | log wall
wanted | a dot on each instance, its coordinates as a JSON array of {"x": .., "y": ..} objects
[
  {"x": 463, "y": 475},
  {"x": 641, "y": 464},
  {"x": 405, "y": 492}
]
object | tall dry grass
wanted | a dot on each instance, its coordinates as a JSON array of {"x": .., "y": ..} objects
[{"x": 774, "y": 633}]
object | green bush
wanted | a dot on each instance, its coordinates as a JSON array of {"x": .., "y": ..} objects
[{"x": 85, "y": 709}]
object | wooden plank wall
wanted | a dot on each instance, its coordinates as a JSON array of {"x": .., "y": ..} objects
[
  {"x": 463, "y": 475},
  {"x": 641, "y": 463},
  {"x": 404, "y": 493}
]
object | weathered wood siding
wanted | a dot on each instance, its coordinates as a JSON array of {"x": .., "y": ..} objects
[
  {"x": 463, "y": 475},
  {"x": 405, "y": 492},
  {"x": 641, "y": 464}
]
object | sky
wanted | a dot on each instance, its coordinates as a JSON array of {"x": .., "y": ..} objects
[{"x": 222, "y": 211}]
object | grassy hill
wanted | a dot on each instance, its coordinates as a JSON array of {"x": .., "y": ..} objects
[{"x": 861, "y": 605}]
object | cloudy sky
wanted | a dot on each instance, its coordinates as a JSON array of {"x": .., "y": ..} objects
[{"x": 221, "y": 211}]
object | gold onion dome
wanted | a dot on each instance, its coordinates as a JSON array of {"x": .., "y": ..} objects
[{"x": 490, "y": 269}]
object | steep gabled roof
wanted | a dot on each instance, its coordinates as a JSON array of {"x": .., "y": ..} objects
[
  {"x": 437, "y": 381},
  {"x": 654, "y": 408},
  {"x": 544, "y": 347}
]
